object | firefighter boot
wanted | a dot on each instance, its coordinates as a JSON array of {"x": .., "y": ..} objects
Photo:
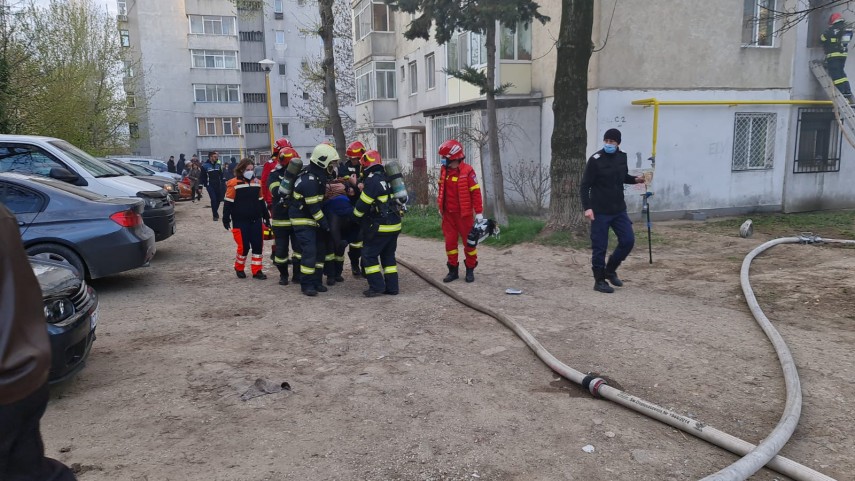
[
  {"x": 318, "y": 279},
  {"x": 470, "y": 274},
  {"x": 354, "y": 263},
  {"x": 295, "y": 273},
  {"x": 339, "y": 269},
  {"x": 329, "y": 271},
  {"x": 611, "y": 273},
  {"x": 283, "y": 274},
  {"x": 600, "y": 283},
  {"x": 453, "y": 273}
]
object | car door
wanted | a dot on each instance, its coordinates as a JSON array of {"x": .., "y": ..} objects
[{"x": 25, "y": 203}]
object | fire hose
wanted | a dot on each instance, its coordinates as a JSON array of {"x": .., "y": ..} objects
[{"x": 754, "y": 456}]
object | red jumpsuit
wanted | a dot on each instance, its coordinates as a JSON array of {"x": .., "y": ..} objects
[{"x": 459, "y": 200}]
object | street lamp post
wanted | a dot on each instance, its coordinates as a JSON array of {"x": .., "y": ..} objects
[
  {"x": 267, "y": 66},
  {"x": 240, "y": 138}
]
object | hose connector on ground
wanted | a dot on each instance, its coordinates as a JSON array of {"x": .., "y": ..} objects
[
  {"x": 809, "y": 238},
  {"x": 593, "y": 384}
]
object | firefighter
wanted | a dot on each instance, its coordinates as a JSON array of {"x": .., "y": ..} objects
[
  {"x": 269, "y": 166},
  {"x": 459, "y": 197},
  {"x": 307, "y": 217},
  {"x": 282, "y": 230},
  {"x": 350, "y": 171},
  {"x": 381, "y": 224},
  {"x": 835, "y": 42},
  {"x": 244, "y": 211}
]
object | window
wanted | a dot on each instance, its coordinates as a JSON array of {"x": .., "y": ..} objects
[
  {"x": 122, "y": 8},
  {"x": 256, "y": 128},
  {"x": 758, "y": 23},
  {"x": 212, "y": 25},
  {"x": 216, "y": 93},
  {"x": 280, "y": 37},
  {"x": 249, "y": 5},
  {"x": 250, "y": 67},
  {"x": 285, "y": 129},
  {"x": 430, "y": 71},
  {"x": 252, "y": 36},
  {"x": 451, "y": 126},
  {"x": 134, "y": 130},
  {"x": 253, "y": 98},
  {"x": 282, "y": 70},
  {"x": 372, "y": 16},
  {"x": 283, "y": 99},
  {"x": 387, "y": 143},
  {"x": 132, "y": 99},
  {"x": 20, "y": 200},
  {"x": 307, "y": 126},
  {"x": 328, "y": 130},
  {"x": 516, "y": 44},
  {"x": 26, "y": 159},
  {"x": 465, "y": 49},
  {"x": 380, "y": 85},
  {"x": 305, "y": 95},
  {"x": 414, "y": 78},
  {"x": 278, "y": 6},
  {"x": 210, "y": 126},
  {"x": 125, "y": 38},
  {"x": 818, "y": 142},
  {"x": 128, "y": 68},
  {"x": 215, "y": 59},
  {"x": 753, "y": 141}
]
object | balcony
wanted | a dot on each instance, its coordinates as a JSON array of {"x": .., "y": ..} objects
[
  {"x": 122, "y": 18},
  {"x": 375, "y": 44}
]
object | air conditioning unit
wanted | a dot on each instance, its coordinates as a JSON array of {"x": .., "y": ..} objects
[{"x": 121, "y": 18}]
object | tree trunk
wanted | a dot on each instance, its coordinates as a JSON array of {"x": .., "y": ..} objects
[
  {"x": 327, "y": 33},
  {"x": 498, "y": 191},
  {"x": 570, "y": 108}
]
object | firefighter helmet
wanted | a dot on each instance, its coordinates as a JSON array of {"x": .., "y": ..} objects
[
  {"x": 279, "y": 145},
  {"x": 835, "y": 17},
  {"x": 355, "y": 150},
  {"x": 324, "y": 155},
  {"x": 370, "y": 158},
  {"x": 286, "y": 154},
  {"x": 451, "y": 150}
]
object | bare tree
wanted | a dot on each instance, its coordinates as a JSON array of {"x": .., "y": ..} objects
[
  {"x": 789, "y": 16},
  {"x": 530, "y": 181}
]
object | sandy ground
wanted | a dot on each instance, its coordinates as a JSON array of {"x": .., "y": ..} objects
[{"x": 417, "y": 387}]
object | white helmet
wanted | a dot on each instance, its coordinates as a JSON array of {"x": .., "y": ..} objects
[{"x": 324, "y": 155}]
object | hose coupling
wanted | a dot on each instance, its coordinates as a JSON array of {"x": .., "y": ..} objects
[
  {"x": 593, "y": 384},
  {"x": 809, "y": 238}
]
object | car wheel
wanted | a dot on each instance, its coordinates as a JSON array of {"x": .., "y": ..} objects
[{"x": 58, "y": 253}]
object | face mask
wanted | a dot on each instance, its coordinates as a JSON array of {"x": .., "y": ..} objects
[
  {"x": 444, "y": 162},
  {"x": 249, "y": 174},
  {"x": 609, "y": 148}
]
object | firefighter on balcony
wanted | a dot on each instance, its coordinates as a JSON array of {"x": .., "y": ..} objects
[
  {"x": 459, "y": 198},
  {"x": 243, "y": 212},
  {"x": 307, "y": 217},
  {"x": 285, "y": 173},
  {"x": 381, "y": 224},
  {"x": 835, "y": 42},
  {"x": 350, "y": 171}
]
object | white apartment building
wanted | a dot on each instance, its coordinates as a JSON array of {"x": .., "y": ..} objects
[
  {"x": 723, "y": 150},
  {"x": 199, "y": 85}
]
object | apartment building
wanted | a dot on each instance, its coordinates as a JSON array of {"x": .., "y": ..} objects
[
  {"x": 733, "y": 131},
  {"x": 197, "y": 82}
]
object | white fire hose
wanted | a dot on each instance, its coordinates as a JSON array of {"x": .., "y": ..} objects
[{"x": 754, "y": 457}]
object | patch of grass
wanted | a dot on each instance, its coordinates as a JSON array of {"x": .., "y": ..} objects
[
  {"x": 425, "y": 221},
  {"x": 422, "y": 221},
  {"x": 830, "y": 224}
]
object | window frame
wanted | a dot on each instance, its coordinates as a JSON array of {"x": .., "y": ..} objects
[
  {"x": 413, "y": 72},
  {"x": 753, "y": 17},
  {"x": 364, "y": 16},
  {"x": 520, "y": 27},
  {"x": 208, "y": 22},
  {"x": 222, "y": 93},
  {"x": 430, "y": 71},
  {"x": 124, "y": 38},
  {"x": 214, "y": 55},
  {"x": 279, "y": 35},
  {"x": 219, "y": 125}
]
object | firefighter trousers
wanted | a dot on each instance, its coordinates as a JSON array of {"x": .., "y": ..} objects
[
  {"x": 379, "y": 265},
  {"x": 454, "y": 228},
  {"x": 312, "y": 242},
  {"x": 247, "y": 234},
  {"x": 838, "y": 74}
]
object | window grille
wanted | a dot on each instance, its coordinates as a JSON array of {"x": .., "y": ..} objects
[
  {"x": 753, "y": 141},
  {"x": 818, "y": 142},
  {"x": 452, "y": 126},
  {"x": 254, "y": 98}
]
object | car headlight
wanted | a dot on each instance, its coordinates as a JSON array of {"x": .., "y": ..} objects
[
  {"x": 167, "y": 187},
  {"x": 58, "y": 310},
  {"x": 151, "y": 202}
]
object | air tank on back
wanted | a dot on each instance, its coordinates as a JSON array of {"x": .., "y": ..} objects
[
  {"x": 291, "y": 173},
  {"x": 396, "y": 181}
]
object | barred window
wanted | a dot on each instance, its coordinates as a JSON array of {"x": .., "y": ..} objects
[
  {"x": 818, "y": 142},
  {"x": 451, "y": 126},
  {"x": 250, "y": 67},
  {"x": 256, "y": 128},
  {"x": 253, "y": 98},
  {"x": 753, "y": 141},
  {"x": 252, "y": 36}
]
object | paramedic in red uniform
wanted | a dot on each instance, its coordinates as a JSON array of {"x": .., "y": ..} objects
[{"x": 460, "y": 204}]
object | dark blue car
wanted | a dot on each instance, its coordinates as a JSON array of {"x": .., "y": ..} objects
[{"x": 97, "y": 236}]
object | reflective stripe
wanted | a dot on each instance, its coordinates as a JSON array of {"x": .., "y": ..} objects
[
  {"x": 297, "y": 255},
  {"x": 280, "y": 223},
  {"x": 228, "y": 200},
  {"x": 307, "y": 270},
  {"x": 314, "y": 199},
  {"x": 836, "y": 54},
  {"x": 318, "y": 215},
  {"x": 242, "y": 186},
  {"x": 372, "y": 269},
  {"x": 300, "y": 221},
  {"x": 451, "y": 252},
  {"x": 358, "y": 213},
  {"x": 390, "y": 228},
  {"x": 366, "y": 198},
  {"x": 383, "y": 198},
  {"x": 243, "y": 258},
  {"x": 280, "y": 260},
  {"x": 841, "y": 80},
  {"x": 329, "y": 257},
  {"x": 274, "y": 185},
  {"x": 454, "y": 179},
  {"x": 297, "y": 195},
  {"x": 476, "y": 186},
  {"x": 339, "y": 258},
  {"x": 356, "y": 245},
  {"x": 256, "y": 263},
  {"x": 390, "y": 270},
  {"x": 319, "y": 265},
  {"x": 470, "y": 253}
]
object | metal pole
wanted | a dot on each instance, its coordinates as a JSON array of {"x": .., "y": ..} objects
[
  {"x": 269, "y": 109},
  {"x": 646, "y": 208}
]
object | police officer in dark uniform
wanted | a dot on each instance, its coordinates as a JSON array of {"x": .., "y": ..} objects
[
  {"x": 307, "y": 217},
  {"x": 351, "y": 170},
  {"x": 212, "y": 178},
  {"x": 381, "y": 224},
  {"x": 281, "y": 223}
]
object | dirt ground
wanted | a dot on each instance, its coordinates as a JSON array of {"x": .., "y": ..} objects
[{"x": 418, "y": 387}]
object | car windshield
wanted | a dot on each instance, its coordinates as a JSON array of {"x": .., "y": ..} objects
[
  {"x": 114, "y": 171},
  {"x": 66, "y": 187},
  {"x": 85, "y": 161},
  {"x": 127, "y": 167}
]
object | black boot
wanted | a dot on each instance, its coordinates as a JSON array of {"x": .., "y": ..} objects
[
  {"x": 600, "y": 283},
  {"x": 470, "y": 274},
  {"x": 354, "y": 263},
  {"x": 611, "y": 273},
  {"x": 339, "y": 269},
  {"x": 283, "y": 274},
  {"x": 453, "y": 273},
  {"x": 260, "y": 276},
  {"x": 295, "y": 273},
  {"x": 319, "y": 281}
]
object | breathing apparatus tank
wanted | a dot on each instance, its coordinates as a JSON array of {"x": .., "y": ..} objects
[
  {"x": 396, "y": 181},
  {"x": 291, "y": 173}
]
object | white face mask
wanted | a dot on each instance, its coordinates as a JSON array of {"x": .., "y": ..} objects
[{"x": 249, "y": 174}]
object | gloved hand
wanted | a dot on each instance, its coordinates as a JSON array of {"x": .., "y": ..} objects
[
  {"x": 266, "y": 221},
  {"x": 479, "y": 217},
  {"x": 227, "y": 224}
]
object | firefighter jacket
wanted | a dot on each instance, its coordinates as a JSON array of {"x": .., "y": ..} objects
[
  {"x": 833, "y": 42},
  {"x": 279, "y": 208},
  {"x": 243, "y": 201},
  {"x": 459, "y": 191},
  {"x": 375, "y": 205},
  {"x": 266, "y": 172},
  {"x": 212, "y": 173},
  {"x": 304, "y": 207},
  {"x": 346, "y": 169}
]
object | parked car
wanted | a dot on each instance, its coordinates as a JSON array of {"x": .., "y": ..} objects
[
  {"x": 71, "y": 312},
  {"x": 60, "y": 160},
  {"x": 137, "y": 172},
  {"x": 98, "y": 236},
  {"x": 158, "y": 166}
]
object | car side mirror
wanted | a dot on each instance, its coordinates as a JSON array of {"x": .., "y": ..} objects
[{"x": 64, "y": 175}]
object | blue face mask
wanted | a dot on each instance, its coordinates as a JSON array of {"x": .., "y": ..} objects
[
  {"x": 444, "y": 161},
  {"x": 609, "y": 148}
]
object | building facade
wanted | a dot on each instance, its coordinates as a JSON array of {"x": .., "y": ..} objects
[
  {"x": 195, "y": 79},
  {"x": 741, "y": 124}
]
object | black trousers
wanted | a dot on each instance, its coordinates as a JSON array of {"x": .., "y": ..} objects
[
  {"x": 283, "y": 237},
  {"x": 838, "y": 74},
  {"x": 312, "y": 242},
  {"x": 380, "y": 250},
  {"x": 22, "y": 452},
  {"x": 216, "y": 191}
]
